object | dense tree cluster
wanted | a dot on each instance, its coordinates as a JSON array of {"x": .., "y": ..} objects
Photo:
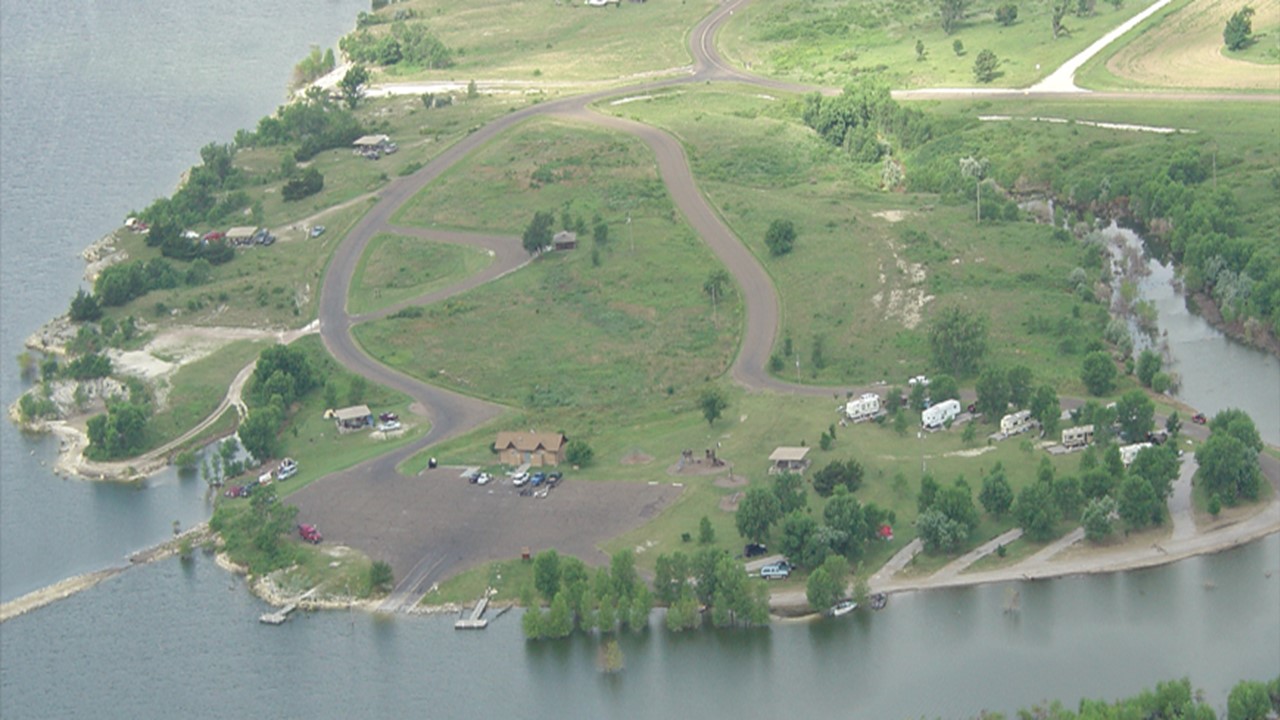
[
  {"x": 958, "y": 339},
  {"x": 948, "y": 516},
  {"x": 308, "y": 183},
  {"x": 846, "y": 473},
  {"x": 860, "y": 116},
  {"x": 407, "y": 43},
  {"x": 314, "y": 124},
  {"x": 580, "y": 600}
]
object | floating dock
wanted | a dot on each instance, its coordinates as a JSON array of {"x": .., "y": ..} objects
[
  {"x": 476, "y": 621},
  {"x": 280, "y": 616}
]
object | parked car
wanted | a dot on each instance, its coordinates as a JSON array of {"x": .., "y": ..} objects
[
  {"x": 520, "y": 479},
  {"x": 483, "y": 479},
  {"x": 288, "y": 468},
  {"x": 754, "y": 550},
  {"x": 389, "y": 425},
  {"x": 1199, "y": 419},
  {"x": 388, "y": 417},
  {"x": 554, "y": 477},
  {"x": 310, "y": 533},
  {"x": 537, "y": 478},
  {"x": 317, "y": 231},
  {"x": 232, "y": 492}
]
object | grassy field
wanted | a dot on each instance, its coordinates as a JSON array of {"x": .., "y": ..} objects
[
  {"x": 536, "y": 41},
  {"x": 196, "y": 389},
  {"x": 830, "y": 42},
  {"x": 508, "y": 577},
  {"x": 596, "y": 331},
  {"x": 277, "y": 286},
  {"x": 1181, "y": 47},
  {"x": 396, "y": 268},
  {"x": 870, "y": 269}
]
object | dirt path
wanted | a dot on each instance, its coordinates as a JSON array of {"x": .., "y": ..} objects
[
  {"x": 1184, "y": 520},
  {"x": 1063, "y": 79}
]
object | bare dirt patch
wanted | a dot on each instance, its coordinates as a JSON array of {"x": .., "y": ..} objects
[
  {"x": 1185, "y": 50},
  {"x": 729, "y": 503},
  {"x": 636, "y": 457},
  {"x": 731, "y": 481},
  {"x": 902, "y": 293}
]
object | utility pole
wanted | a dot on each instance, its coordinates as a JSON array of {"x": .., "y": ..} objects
[{"x": 631, "y": 234}]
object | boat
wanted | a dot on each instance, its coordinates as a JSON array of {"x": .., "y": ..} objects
[{"x": 844, "y": 607}]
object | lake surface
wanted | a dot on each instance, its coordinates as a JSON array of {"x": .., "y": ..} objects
[{"x": 102, "y": 106}]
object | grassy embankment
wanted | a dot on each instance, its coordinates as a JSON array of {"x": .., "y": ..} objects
[
  {"x": 829, "y": 42},
  {"x": 278, "y": 286},
  {"x": 1181, "y": 47},
  {"x": 196, "y": 390},
  {"x": 565, "y": 42},
  {"x": 396, "y": 268}
]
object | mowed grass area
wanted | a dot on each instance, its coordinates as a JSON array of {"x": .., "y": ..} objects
[
  {"x": 597, "y": 332},
  {"x": 1182, "y": 47},
  {"x": 535, "y": 40},
  {"x": 278, "y": 286},
  {"x": 395, "y": 268},
  {"x": 871, "y": 269},
  {"x": 196, "y": 389},
  {"x": 829, "y": 42}
]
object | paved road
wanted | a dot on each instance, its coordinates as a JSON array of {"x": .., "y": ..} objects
[{"x": 452, "y": 414}]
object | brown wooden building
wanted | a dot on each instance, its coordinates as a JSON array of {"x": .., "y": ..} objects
[{"x": 534, "y": 448}]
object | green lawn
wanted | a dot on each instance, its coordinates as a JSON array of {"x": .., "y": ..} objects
[
  {"x": 396, "y": 267},
  {"x": 196, "y": 389},
  {"x": 533, "y": 41},
  {"x": 830, "y": 42}
]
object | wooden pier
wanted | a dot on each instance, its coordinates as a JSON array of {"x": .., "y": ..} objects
[{"x": 280, "y": 616}]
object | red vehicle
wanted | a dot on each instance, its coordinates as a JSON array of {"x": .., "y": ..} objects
[
  {"x": 211, "y": 236},
  {"x": 1199, "y": 419},
  {"x": 310, "y": 533}
]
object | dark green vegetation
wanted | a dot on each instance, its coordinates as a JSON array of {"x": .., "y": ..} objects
[
  {"x": 1238, "y": 33},
  {"x": 712, "y": 578},
  {"x": 580, "y": 600},
  {"x": 410, "y": 44},
  {"x": 1170, "y": 700}
]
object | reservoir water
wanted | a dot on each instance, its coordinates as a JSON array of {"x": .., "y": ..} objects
[{"x": 102, "y": 105}]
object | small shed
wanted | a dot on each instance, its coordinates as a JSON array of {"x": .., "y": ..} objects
[
  {"x": 537, "y": 449},
  {"x": 564, "y": 240},
  {"x": 241, "y": 235},
  {"x": 356, "y": 417},
  {"x": 789, "y": 459},
  {"x": 371, "y": 142}
]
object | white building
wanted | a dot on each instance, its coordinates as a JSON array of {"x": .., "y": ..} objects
[
  {"x": 863, "y": 408},
  {"x": 1015, "y": 423},
  {"x": 938, "y": 415}
]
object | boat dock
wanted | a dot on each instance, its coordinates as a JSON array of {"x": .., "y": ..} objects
[
  {"x": 476, "y": 621},
  {"x": 279, "y": 616}
]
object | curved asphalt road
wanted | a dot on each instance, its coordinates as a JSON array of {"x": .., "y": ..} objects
[{"x": 452, "y": 414}]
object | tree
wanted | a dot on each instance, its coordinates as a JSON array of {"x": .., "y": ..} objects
[
  {"x": 838, "y": 473},
  {"x": 845, "y": 515},
  {"x": 706, "y": 533},
  {"x": 715, "y": 286},
  {"x": 1138, "y": 504},
  {"x": 1148, "y": 365},
  {"x": 1238, "y": 424},
  {"x": 1173, "y": 426},
  {"x": 1007, "y": 14},
  {"x": 308, "y": 183},
  {"x": 1098, "y": 373},
  {"x": 780, "y": 238},
  {"x": 546, "y": 573},
  {"x": 827, "y": 584},
  {"x": 1136, "y": 414},
  {"x": 1096, "y": 518},
  {"x": 1250, "y": 700},
  {"x": 187, "y": 461},
  {"x": 789, "y": 489},
  {"x": 713, "y": 404},
  {"x": 1238, "y": 33},
  {"x": 985, "y": 66},
  {"x": 623, "y": 577},
  {"x": 670, "y": 577},
  {"x": 352, "y": 85},
  {"x": 1229, "y": 468},
  {"x": 1045, "y": 408},
  {"x": 939, "y": 532},
  {"x": 800, "y": 540},
  {"x": 259, "y": 432},
  {"x": 1035, "y": 511},
  {"x": 996, "y": 495},
  {"x": 1158, "y": 466},
  {"x": 1019, "y": 378},
  {"x": 975, "y": 168},
  {"x": 1058, "y": 11},
  {"x": 281, "y": 370},
  {"x": 993, "y": 393},
  {"x": 1067, "y": 496},
  {"x": 757, "y": 512},
  {"x": 537, "y": 234},
  {"x": 84, "y": 307},
  {"x": 578, "y": 452},
  {"x": 920, "y": 51},
  {"x": 958, "y": 340},
  {"x": 952, "y": 12},
  {"x": 943, "y": 387},
  {"x": 381, "y": 578}
]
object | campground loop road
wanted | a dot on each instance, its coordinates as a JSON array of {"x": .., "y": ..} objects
[{"x": 452, "y": 414}]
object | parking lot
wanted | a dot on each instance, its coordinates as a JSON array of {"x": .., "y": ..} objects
[{"x": 435, "y": 525}]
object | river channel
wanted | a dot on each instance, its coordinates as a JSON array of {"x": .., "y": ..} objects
[{"x": 102, "y": 105}]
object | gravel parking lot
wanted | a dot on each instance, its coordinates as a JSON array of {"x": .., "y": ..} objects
[{"x": 436, "y": 524}]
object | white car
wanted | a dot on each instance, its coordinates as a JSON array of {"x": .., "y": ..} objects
[
  {"x": 389, "y": 426},
  {"x": 288, "y": 468},
  {"x": 483, "y": 479},
  {"x": 520, "y": 479}
]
